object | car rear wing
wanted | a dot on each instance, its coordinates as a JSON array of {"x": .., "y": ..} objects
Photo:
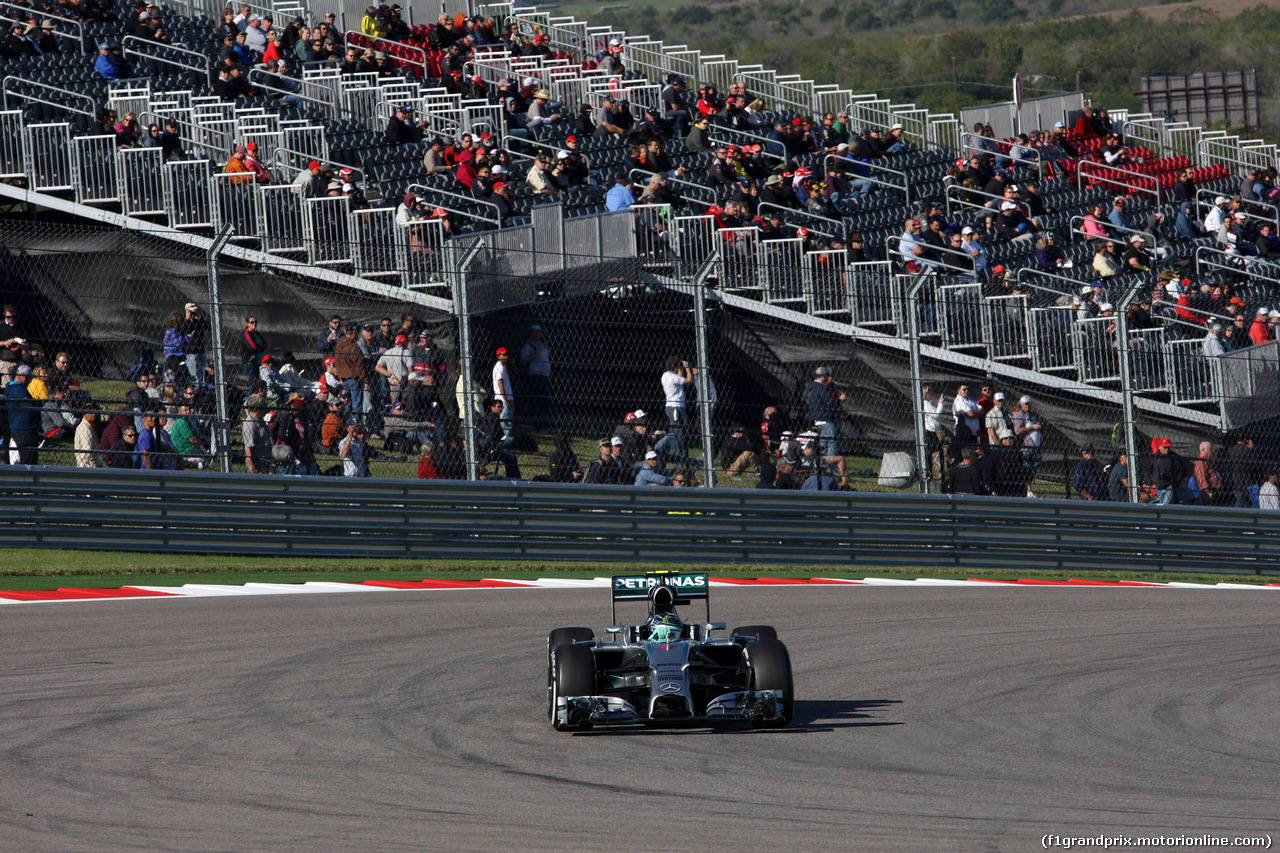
[{"x": 686, "y": 586}]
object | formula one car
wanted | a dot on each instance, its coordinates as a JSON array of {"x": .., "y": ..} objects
[{"x": 666, "y": 670}]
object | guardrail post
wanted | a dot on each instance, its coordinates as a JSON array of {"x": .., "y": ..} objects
[
  {"x": 704, "y": 366},
  {"x": 1126, "y": 389},
  {"x": 221, "y": 425},
  {"x": 917, "y": 381},
  {"x": 457, "y": 272}
]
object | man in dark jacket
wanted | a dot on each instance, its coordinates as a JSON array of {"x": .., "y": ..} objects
[
  {"x": 1165, "y": 471},
  {"x": 401, "y": 129},
  {"x": 23, "y": 412}
]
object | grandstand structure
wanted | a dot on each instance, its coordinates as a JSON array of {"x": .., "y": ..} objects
[{"x": 1034, "y": 335}]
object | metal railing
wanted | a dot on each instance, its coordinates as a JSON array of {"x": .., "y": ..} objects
[
  {"x": 465, "y": 208},
  {"x": 1211, "y": 257},
  {"x": 961, "y": 263},
  {"x": 854, "y": 164},
  {"x": 170, "y": 54},
  {"x": 212, "y": 513},
  {"x": 6, "y": 90},
  {"x": 1116, "y": 182},
  {"x": 958, "y": 190},
  {"x": 1078, "y": 231},
  {"x": 969, "y": 149}
]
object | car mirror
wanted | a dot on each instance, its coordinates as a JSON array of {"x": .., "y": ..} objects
[
  {"x": 614, "y": 629},
  {"x": 715, "y": 626}
]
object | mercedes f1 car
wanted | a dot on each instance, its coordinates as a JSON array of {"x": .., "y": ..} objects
[{"x": 666, "y": 670}]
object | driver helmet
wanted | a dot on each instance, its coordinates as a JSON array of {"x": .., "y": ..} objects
[{"x": 664, "y": 628}]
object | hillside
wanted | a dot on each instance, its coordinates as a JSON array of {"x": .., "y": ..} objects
[{"x": 909, "y": 50}]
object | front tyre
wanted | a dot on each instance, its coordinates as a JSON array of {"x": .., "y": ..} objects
[
  {"x": 573, "y": 673},
  {"x": 771, "y": 670}
]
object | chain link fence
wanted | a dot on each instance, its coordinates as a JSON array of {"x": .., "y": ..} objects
[{"x": 588, "y": 346}]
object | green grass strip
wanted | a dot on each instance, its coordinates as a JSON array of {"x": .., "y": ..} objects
[{"x": 33, "y": 568}]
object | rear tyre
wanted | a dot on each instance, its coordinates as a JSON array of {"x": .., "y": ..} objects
[
  {"x": 573, "y": 673},
  {"x": 758, "y": 632},
  {"x": 771, "y": 670}
]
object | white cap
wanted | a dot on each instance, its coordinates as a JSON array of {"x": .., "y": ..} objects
[
  {"x": 652, "y": 454},
  {"x": 529, "y": 81},
  {"x": 562, "y": 155},
  {"x": 1058, "y": 125},
  {"x": 1086, "y": 288},
  {"x": 615, "y": 441},
  {"x": 614, "y": 43},
  {"x": 1025, "y": 398},
  {"x": 966, "y": 230},
  {"x": 1008, "y": 205},
  {"x": 1106, "y": 306},
  {"x": 896, "y": 126},
  {"x": 999, "y": 395},
  {"x": 498, "y": 169},
  {"x": 1263, "y": 310},
  {"x": 639, "y": 413},
  {"x": 348, "y": 188},
  {"x": 1274, "y": 314}
]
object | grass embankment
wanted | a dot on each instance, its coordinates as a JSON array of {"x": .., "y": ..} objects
[{"x": 22, "y": 568}]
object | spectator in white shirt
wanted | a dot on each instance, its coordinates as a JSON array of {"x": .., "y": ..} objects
[
  {"x": 968, "y": 415},
  {"x": 1268, "y": 494}
]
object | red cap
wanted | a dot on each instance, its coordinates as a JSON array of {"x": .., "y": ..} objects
[
  {"x": 998, "y": 268},
  {"x": 268, "y": 358},
  {"x": 500, "y": 351},
  {"x": 252, "y": 146},
  {"x": 571, "y": 139},
  {"x": 401, "y": 339},
  {"x": 797, "y": 122},
  {"x": 314, "y": 164},
  {"x": 330, "y": 360},
  {"x": 500, "y": 185}
]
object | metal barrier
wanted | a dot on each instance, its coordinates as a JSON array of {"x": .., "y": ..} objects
[
  {"x": 324, "y": 230},
  {"x": 48, "y": 151},
  {"x": 188, "y": 199},
  {"x": 1192, "y": 376},
  {"x": 93, "y": 166},
  {"x": 374, "y": 241},
  {"x": 739, "y": 265},
  {"x": 1235, "y": 154},
  {"x": 653, "y": 232},
  {"x": 1204, "y": 200},
  {"x": 1049, "y": 339},
  {"x": 694, "y": 239},
  {"x": 421, "y": 257},
  {"x": 12, "y": 163},
  {"x": 141, "y": 174},
  {"x": 1213, "y": 258},
  {"x": 1096, "y": 351},
  {"x": 1076, "y": 227},
  {"x": 871, "y": 294},
  {"x": 970, "y": 148},
  {"x": 1004, "y": 327},
  {"x": 780, "y": 92},
  {"x": 826, "y": 276},
  {"x": 861, "y": 166},
  {"x": 233, "y": 202},
  {"x": 783, "y": 270},
  {"x": 953, "y": 261},
  {"x": 960, "y": 316},
  {"x": 1146, "y": 360},
  {"x": 1249, "y": 380},
  {"x": 239, "y": 514},
  {"x": 280, "y": 212}
]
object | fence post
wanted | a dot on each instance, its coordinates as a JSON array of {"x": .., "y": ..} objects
[
  {"x": 704, "y": 365},
  {"x": 457, "y": 272},
  {"x": 917, "y": 381},
  {"x": 1128, "y": 415},
  {"x": 221, "y": 427}
]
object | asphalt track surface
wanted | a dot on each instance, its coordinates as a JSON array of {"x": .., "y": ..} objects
[{"x": 929, "y": 719}]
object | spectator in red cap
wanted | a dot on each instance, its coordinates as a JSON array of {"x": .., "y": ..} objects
[
  {"x": 255, "y": 165},
  {"x": 1165, "y": 471},
  {"x": 501, "y": 200},
  {"x": 503, "y": 391},
  {"x": 310, "y": 182}
]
